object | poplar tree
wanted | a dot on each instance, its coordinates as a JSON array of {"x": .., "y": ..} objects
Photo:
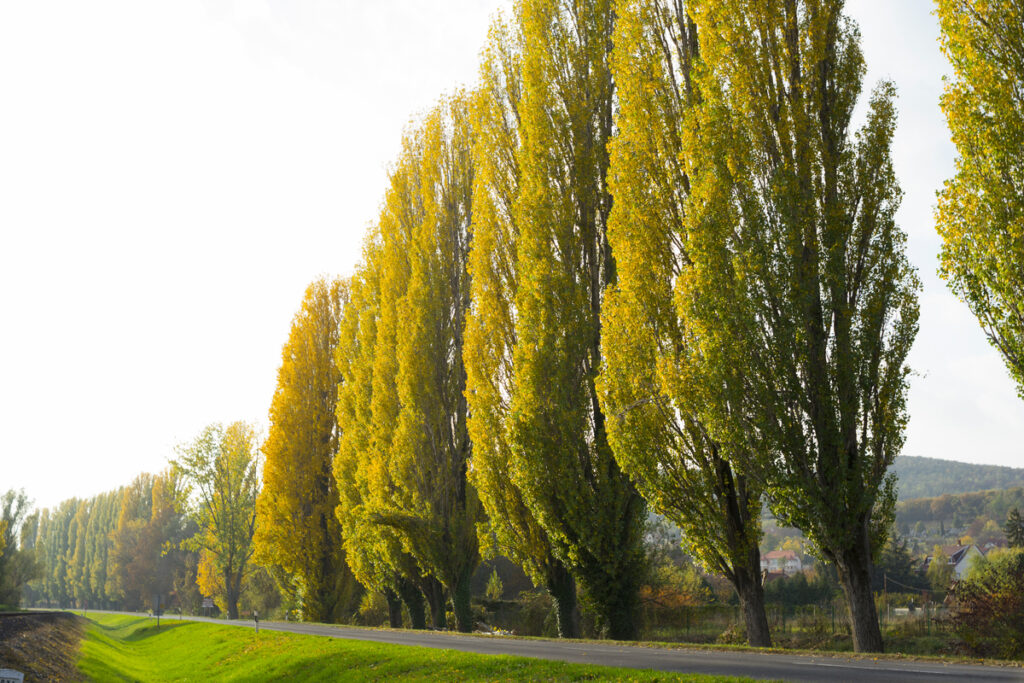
[
  {"x": 981, "y": 210},
  {"x": 16, "y": 565},
  {"x": 652, "y": 397},
  {"x": 131, "y": 560},
  {"x": 434, "y": 509},
  {"x": 296, "y": 526},
  {"x": 511, "y": 528},
  {"x": 400, "y": 218},
  {"x": 373, "y": 552},
  {"x": 561, "y": 459},
  {"x": 800, "y": 304},
  {"x": 369, "y": 404}
]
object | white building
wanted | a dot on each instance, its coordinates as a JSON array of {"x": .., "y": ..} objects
[{"x": 785, "y": 561}]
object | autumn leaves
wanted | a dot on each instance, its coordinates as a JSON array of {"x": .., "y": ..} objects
[{"x": 646, "y": 262}]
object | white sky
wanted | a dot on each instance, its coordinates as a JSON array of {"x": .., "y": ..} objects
[{"x": 173, "y": 174}]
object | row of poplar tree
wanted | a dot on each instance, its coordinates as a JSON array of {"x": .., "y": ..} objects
[
  {"x": 165, "y": 540},
  {"x": 646, "y": 264}
]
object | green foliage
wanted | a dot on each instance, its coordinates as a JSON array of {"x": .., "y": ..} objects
[
  {"x": 561, "y": 459},
  {"x": 981, "y": 210},
  {"x": 940, "y": 572},
  {"x": 1014, "y": 528},
  {"x": 435, "y": 510},
  {"x": 989, "y": 613},
  {"x": 512, "y": 528},
  {"x": 800, "y": 303},
  {"x": 219, "y": 471},
  {"x": 404, "y": 466},
  {"x": 961, "y": 509},
  {"x": 930, "y": 477},
  {"x": 657, "y": 432},
  {"x": 895, "y": 563},
  {"x": 17, "y": 565},
  {"x": 494, "y": 586}
]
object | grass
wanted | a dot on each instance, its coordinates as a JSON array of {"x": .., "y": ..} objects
[{"x": 131, "y": 648}]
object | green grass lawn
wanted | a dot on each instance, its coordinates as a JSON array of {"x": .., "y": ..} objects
[{"x": 131, "y": 648}]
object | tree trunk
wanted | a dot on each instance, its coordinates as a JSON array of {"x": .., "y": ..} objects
[
  {"x": 562, "y": 588},
  {"x": 230, "y": 596},
  {"x": 619, "y": 614},
  {"x": 435, "y": 600},
  {"x": 751, "y": 593},
  {"x": 413, "y": 599},
  {"x": 854, "y": 573},
  {"x": 461, "y": 603},
  {"x": 394, "y": 608}
]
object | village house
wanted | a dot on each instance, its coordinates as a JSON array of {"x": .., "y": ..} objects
[
  {"x": 785, "y": 561},
  {"x": 959, "y": 556}
]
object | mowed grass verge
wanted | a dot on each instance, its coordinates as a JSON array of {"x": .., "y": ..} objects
[{"x": 131, "y": 648}]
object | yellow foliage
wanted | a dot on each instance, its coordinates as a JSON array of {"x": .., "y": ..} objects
[{"x": 297, "y": 528}]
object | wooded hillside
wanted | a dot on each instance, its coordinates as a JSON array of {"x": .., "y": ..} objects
[{"x": 929, "y": 477}]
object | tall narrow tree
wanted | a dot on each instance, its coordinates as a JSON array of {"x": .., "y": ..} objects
[
  {"x": 562, "y": 461},
  {"x": 296, "y": 525},
  {"x": 981, "y": 210},
  {"x": 368, "y": 400},
  {"x": 800, "y": 304},
  {"x": 652, "y": 398},
  {"x": 373, "y": 552},
  {"x": 511, "y": 528},
  {"x": 434, "y": 510}
]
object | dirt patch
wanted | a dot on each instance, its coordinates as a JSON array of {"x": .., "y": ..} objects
[{"x": 42, "y": 645}]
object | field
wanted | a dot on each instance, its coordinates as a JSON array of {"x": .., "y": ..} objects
[{"x": 131, "y": 648}]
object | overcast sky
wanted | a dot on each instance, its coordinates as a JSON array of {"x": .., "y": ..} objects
[{"x": 173, "y": 174}]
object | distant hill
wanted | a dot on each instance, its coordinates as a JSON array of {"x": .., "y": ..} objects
[{"x": 931, "y": 477}]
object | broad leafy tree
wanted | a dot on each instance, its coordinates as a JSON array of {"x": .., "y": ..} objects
[
  {"x": 147, "y": 557},
  {"x": 799, "y": 302},
  {"x": 652, "y": 398},
  {"x": 561, "y": 459},
  {"x": 981, "y": 210},
  {"x": 221, "y": 481},
  {"x": 297, "y": 529}
]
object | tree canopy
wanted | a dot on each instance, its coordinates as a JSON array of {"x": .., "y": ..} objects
[
  {"x": 800, "y": 303},
  {"x": 297, "y": 529},
  {"x": 980, "y": 214},
  {"x": 654, "y": 400},
  {"x": 220, "y": 473},
  {"x": 562, "y": 461}
]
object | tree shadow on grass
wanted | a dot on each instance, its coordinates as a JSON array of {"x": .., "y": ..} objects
[
  {"x": 152, "y": 630},
  {"x": 137, "y": 629}
]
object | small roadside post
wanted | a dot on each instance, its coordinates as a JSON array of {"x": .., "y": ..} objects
[{"x": 256, "y": 619}]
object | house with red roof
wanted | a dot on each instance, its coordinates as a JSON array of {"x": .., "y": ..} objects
[{"x": 785, "y": 561}]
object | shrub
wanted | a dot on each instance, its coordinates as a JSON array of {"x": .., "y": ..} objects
[{"x": 989, "y": 613}]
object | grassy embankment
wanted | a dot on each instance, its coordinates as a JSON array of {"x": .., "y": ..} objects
[{"x": 122, "y": 647}]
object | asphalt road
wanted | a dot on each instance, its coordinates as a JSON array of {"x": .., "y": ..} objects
[{"x": 719, "y": 662}]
